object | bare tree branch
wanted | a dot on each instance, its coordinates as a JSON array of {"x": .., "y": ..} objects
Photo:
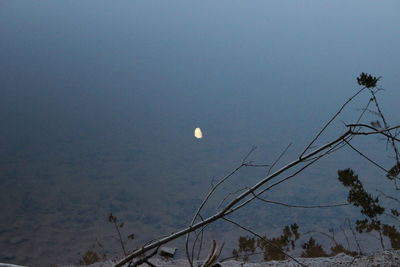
[
  {"x": 376, "y": 131},
  {"x": 390, "y": 139},
  {"x": 347, "y": 238},
  {"x": 364, "y": 156},
  {"x": 210, "y": 193},
  {"x": 389, "y": 197},
  {"x": 354, "y": 236},
  {"x": 271, "y": 186},
  {"x": 300, "y": 206},
  {"x": 279, "y": 157},
  {"x": 331, "y": 120},
  {"x": 305, "y": 160},
  {"x": 212, "y": 257}
]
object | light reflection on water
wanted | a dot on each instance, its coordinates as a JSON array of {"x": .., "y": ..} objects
[
  {"x": 198, "y": 133},
  {"x": 97, "y": 116}
]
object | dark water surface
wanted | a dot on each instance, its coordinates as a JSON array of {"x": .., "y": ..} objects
[{"x": 99, "y": 101}]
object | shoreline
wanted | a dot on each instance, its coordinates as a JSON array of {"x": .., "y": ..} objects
[{"x": 380, "y": 258}]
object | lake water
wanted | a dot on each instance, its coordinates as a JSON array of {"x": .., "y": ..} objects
[{"x": 99, "y": 102}]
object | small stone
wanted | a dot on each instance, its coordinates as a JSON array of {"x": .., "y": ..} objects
[{"x": 168, "y": 252}]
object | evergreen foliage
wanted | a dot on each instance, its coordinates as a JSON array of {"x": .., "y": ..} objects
[
  {"x": 89, "y": 258},
  {"x": 367, "y": 80},
  {"x": 311, "y": 249},
  {"x": 370, "y": 208}
]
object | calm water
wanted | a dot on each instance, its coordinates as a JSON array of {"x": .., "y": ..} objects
[{"x": 99, "y": 101}]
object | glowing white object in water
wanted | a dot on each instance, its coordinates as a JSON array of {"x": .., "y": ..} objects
[{"x": 197, "y": 133}]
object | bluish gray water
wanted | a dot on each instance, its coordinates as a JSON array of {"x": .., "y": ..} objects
[{"x": 99, "y": 101}]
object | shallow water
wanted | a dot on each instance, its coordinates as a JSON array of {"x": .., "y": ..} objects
[{"x": 99, "y": 102}]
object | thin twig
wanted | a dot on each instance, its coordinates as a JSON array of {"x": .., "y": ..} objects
[
  {"x": 220, "y": 250},
  {"x": 268, "y": 188},
  {"x": 354, "y": 236},
  {"x": 367, "y": 158},
  {"x": 253, "y": 148},
  {"x": 201, "y": 243},
  {"x": 212, "y": 256},
  {"x": 386, "y": 125},
  {"x": 119, "y": 236},
  {"x": 230, "y": 194},
  {"x": 197, "y": 238},
  {"x": 205, "y": 200},
  {"x": 300, "y": 206},
  {"x": 363, "y": 111},
  {"x": 389, "y": 197},
  {"x": 347, "y": 238},
  {"x": 279, "y": 157},
  {"x": 256, "y": 165},
  {"x": 203, "y": 204},
  {"x": 330, "y": 121}
]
